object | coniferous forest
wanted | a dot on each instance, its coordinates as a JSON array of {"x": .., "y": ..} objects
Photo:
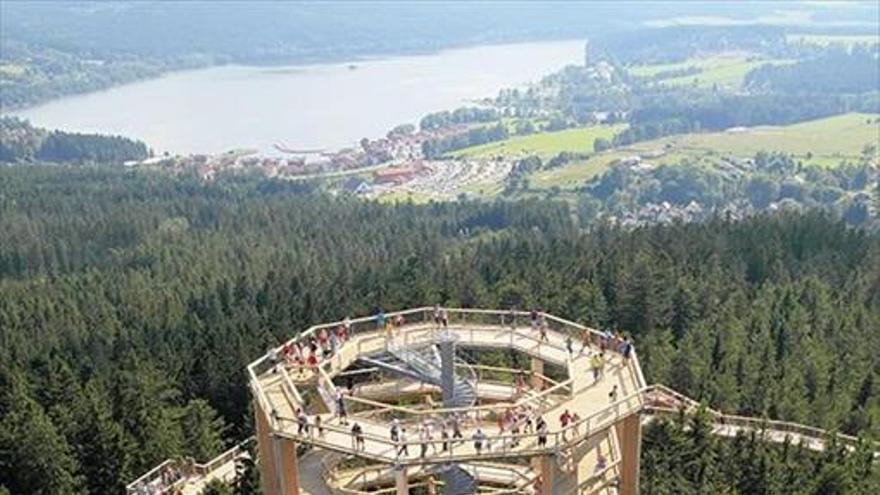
[{"x": 130, "y": 303}]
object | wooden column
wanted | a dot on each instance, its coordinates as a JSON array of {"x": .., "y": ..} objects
[
  {"x": 537, "y": 367},
  {"x": 545, "y": 467},
  {"x": 400, "y": 480},
  {"x": 288, "y": 465},
  {"x": 266, "y": 452},
  {"x": 629, "y": 436}
]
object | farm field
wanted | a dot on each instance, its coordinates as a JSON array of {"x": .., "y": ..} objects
[
  {"x": 823, "y": 142},
  {"x": 724, "y": 70},
  {"x": 827, "y": 39},
  {"x": 544, "y": 144}
]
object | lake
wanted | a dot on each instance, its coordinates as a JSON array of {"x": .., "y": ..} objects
[{"x": 326, "y": 106}]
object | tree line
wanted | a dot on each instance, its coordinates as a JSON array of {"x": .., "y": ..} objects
[{"x": 21, "y": 142}]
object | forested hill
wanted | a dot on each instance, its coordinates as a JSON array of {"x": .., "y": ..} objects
[
  {"x": 130, "y": 303},
  {"x": 20, "y": 142}
]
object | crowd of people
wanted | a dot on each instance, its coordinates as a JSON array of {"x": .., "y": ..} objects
[
  {"x": 307, "y": 353},
  {"x": 166, "y": 483}
]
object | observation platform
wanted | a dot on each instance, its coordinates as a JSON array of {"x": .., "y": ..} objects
[{"x": 586, "y": 455}]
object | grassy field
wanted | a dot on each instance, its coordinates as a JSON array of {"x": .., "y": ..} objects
[
  {"x": 728, "y": 69},
  {"x": 827, "y": 39},
  {"x": 575, "y": 174},
  {"x": 544, "y": 144},
  {"x": 824, "y": 142}
]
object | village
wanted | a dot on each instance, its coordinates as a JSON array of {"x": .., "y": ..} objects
[{"x": 393, "y": 164}]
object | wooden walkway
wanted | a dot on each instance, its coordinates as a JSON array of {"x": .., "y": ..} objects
[{"x": 282, "y": 390}]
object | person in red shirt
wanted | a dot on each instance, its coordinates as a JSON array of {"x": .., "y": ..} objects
[{"x": 564, "y": 419}]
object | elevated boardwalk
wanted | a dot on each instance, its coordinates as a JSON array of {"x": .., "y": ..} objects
[{"x": 563, "y": 459}]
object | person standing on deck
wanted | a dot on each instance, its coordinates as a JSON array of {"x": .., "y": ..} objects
[
  {"x": 334, "y": 342},
  {"x": 402, "y": 448},
  {"x": 596, "y": 366},
  {"x": 324, "y": 342},
  {"x": 585, "y": 341},
  {"x": 424, "y": 438},
  {"x": 395, "y": 430},
  {"x": 479, "y": 437},
  {"x": 626, "y": 350},
  {"x": 542, "y": 433},
  {"x": 613, "y": 394},
  {"x": 340, "y": 408},
  {"x": 357, "y": 434},
  {"x": 543, "y": 327},
  {"x": 346, "y": 326},
  {"x": 340, "y": 334},
  {"x": 302, "y": 422},
  {"x": 456, "y": 427},
  {"x": 437, "y": 315},
  {"x": 319, "y": 426},
  {"x": 564, "y": 421},
  {"x": 272, "y": 353}
]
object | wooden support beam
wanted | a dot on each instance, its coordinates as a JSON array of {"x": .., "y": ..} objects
[
  {"x": 288, "y": 465},
  {"x": 400, "y": 480},
  {"x": 266, "y": 452},
  {"x": 537, "y": 371},
  {"x": 629, "y": 436}
]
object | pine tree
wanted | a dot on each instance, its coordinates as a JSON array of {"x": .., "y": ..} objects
[
  {"x": 656, "y": 354},
  {"x": 34, "y": 457},
  {"x": 101, "y": 447},
  {"x": 146, "y": 405},
  {"x": 203, "y": 431}
]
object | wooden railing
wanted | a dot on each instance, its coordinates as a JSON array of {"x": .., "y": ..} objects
[
  {"x": 415, "y": 334},
  {"x": 811, "y": 433},
  {"x": 473, "y": 319},
  {"x": 502, "y": 445},
  {"x": 152, "y": 483}
]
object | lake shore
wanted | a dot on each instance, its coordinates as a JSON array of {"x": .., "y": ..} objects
[{"x": 326, "y": 105}]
